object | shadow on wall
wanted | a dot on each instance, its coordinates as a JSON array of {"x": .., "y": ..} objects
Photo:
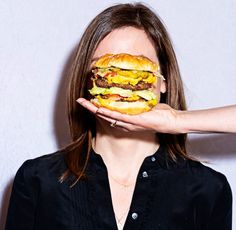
[
  {"x": 5, "y": 201},
  {"x": 213, "y": 145},
  {"x": 60, "y": 119},
  {"x": 61, "y": 131}
]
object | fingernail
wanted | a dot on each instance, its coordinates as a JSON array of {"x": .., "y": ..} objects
[{"x": 80, "y": 100}]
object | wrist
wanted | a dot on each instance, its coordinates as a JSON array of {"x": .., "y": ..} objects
[{"x": 181, "y": 122}]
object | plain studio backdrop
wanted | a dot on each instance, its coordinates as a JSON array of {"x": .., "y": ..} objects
[{"x": 37, "y": 40}]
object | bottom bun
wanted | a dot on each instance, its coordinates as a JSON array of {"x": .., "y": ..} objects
[{"x": 131, "y": 108}]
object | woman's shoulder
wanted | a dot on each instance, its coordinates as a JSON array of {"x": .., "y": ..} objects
[
  {"x": 44, "y": 160},
  {"x": 211, "y": 183},
  {"x": 206, "y": 174},
  {"x": 195, "y": 168},
  {"x": 45, "y": 166}
]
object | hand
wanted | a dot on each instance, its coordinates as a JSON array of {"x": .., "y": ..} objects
[{"x": 162, "y": 118}]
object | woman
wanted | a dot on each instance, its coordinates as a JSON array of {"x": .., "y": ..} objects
[{"x": 110, "y": 178}]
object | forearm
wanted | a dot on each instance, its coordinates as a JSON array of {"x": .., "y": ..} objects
[{"x": 210, "y": 120}]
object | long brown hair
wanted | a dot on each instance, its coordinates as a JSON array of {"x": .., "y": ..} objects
[{"x": 81, "y": 122}]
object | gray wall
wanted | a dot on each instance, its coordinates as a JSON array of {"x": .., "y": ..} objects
[{"x": 37, "y": 39}]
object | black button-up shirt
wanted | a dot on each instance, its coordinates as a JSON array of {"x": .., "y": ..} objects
[{"x": 182, "y": 195}]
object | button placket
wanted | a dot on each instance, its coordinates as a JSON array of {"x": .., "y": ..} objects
[{"x": 139, "y": 207}]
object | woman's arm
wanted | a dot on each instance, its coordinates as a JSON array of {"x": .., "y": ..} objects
[
  {"x": 209, "y": 120},
  {"x": 22, "y": 205},
  {"x": 164, "y": 119}
]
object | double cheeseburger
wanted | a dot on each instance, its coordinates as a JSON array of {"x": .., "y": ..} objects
[{"x": 124, "y": 83}]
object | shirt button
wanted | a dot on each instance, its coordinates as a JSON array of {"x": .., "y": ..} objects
[
  {"x": 145, "y": 174},
  {"x": 153, "y": 159},
  {"x": 134, "y": 215}
]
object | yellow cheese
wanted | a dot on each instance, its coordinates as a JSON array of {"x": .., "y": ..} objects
[{"x": 118, "y": 79}]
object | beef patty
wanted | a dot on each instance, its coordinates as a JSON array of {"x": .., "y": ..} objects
[{"x": 101, "y": 82}]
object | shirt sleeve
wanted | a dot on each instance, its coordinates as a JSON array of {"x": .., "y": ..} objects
[
  {"x": 221, "y": 218},
  {"x": 21, "y": 211}
]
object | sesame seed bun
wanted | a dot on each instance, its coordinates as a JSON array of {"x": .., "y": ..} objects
[
  {"x": 127, "y": 61},
  {"x": 131, "y": 108}
]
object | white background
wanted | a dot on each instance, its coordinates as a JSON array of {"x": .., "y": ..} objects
[{"x": 37, "y": 39}]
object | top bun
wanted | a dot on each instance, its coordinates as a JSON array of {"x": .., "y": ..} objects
[{"x": 127, "y": 61}]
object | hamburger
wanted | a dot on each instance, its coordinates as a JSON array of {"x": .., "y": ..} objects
[{"x": 124, "y": 83}]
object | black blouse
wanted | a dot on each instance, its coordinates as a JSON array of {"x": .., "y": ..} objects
[{"x": 168, "y": 196}]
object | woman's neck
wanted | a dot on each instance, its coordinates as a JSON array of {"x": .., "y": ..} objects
[{"x": 123, "y": 152}]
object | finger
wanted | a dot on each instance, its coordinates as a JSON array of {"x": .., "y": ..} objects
[
  {"x": 131, "y": 119},
  {"x": 88, "y": 105},
  {"x": 113, "y": 115},
  {"x": 121, "y": 124},
  {"x": 110, "y": 120},
  {"x": 162, "y": 106},
  {"x": 115, "y": 122}
]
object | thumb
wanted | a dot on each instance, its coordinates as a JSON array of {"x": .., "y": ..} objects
[{"x": 162, "y": 106}]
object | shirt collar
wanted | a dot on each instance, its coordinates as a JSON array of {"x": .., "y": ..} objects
[{"x": 159, "y": 159}]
